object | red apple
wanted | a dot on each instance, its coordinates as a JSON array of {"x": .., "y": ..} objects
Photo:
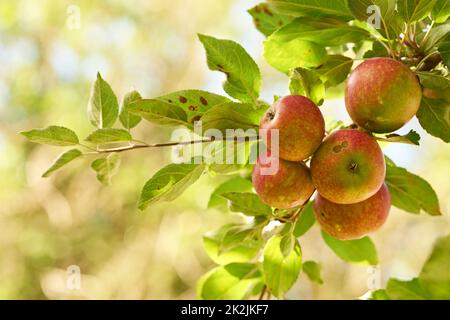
[
  {"x": 348, "y": 167},
  {"x": 382, "y": 95},
  {"x": 353, "y": 221},
  {"x": 301, "y": 127},
  {"x": 288, "y": 186}
]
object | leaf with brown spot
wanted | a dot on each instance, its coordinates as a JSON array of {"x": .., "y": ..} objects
[
  {"x": 171, "y": 110},
  {"x": 203, "y": 101},
  {"x": 268, "y": 24},
  {"x": 159, "y": 112},
  {"x": 195, "y": 102}
]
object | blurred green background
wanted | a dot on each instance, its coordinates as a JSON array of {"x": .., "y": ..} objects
[{"x": 47, "y": 64}]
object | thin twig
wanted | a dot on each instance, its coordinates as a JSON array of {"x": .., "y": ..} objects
[
  {"x": 298, "y": 212},
  {"x": 388, "y": 49},
  {"x": 391, "y": 49},
  {"x": 144, "y": 145},
  {"x": 86, "y": 146}
]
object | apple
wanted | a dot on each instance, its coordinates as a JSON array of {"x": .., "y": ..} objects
[
  {"x": 353, "y": 221},
  {"x": 382, "y": 95},
  {"x": 348, "y": 167},
  {"x": 301, "y": 127},
  {"x": 289, "y": 186}
]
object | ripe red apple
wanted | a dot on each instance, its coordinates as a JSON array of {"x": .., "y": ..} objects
[
  {"x": 288, "y": 187},
  {"x": 353, "y": 221},
  {"x": 301, "y": 127},
  {"x": 348, "y": 167},
  {"x": 382, "y": 95}
]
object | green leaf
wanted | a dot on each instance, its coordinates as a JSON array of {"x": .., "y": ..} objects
[
  {"x": 103, "y": 107},
  {"x": 378, "y": 50},
  {"x": 315, "y": 8},
  {"x": 62, "y": 160},
  {"x": 379, "y": 295},
  {"x": 411, "y": 138},
  {"x": 235, "y": 236},
  {"x": 306, "y": 220},
  {"x": 434, "y": 117},
  {"x": 410, "y": 192},
  {"x": 307, "y": 83},
  {"x": 433, "y": 282},
  {"x": 441, "y": 11},
  {"x": 296, "y": 53},
  {"x": 169, "y": 183},
  {"x": 405, "y": 290},
  {"x": 301, "y": 44},
  {"x": 333, "y": 125},
  {"x": 435, "y": 274},
  {"x": 228, "y": 157},
  {"x": 444, "y": 50},
  {"x": 267, "y": 21},
  {"x": 280, "y": 273},
  {"x": 236, "y": 184},
  {"x": 106, "y": 168},
  {"x": 326, "y": 32},
  {"x": 213, "y": 243},
  {"x": 234, "y": 281},
  {"x": 435, "y": 38},
  {"x": 288, "y": 241},
  {"x": 243, "y": 75},
  {"x": 201, "y": 282},
  {"x": 287, "y": 244},
  {"x": 109, "y": 135},
  {"x": 247, "y": 203},
  {"x": 232, "y": 116},
  {"x": 335, "y": 70},
  {"x": 128, "y": 119},
  {"x": 415, "y": 10},
  {"x": 312, "y": 269},
  {"x": 53, "y": 135},
  {"x": 159, "y": 112},
  {"x": 395, "y": 25},
  {"x": 433, "y": 80},
  {"x": 356, "y": 251}
]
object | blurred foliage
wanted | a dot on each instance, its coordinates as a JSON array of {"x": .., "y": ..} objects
[{"x": 46, "y": 70}]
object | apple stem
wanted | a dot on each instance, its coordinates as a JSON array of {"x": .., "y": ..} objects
[{"x": 263, "y": 292}]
